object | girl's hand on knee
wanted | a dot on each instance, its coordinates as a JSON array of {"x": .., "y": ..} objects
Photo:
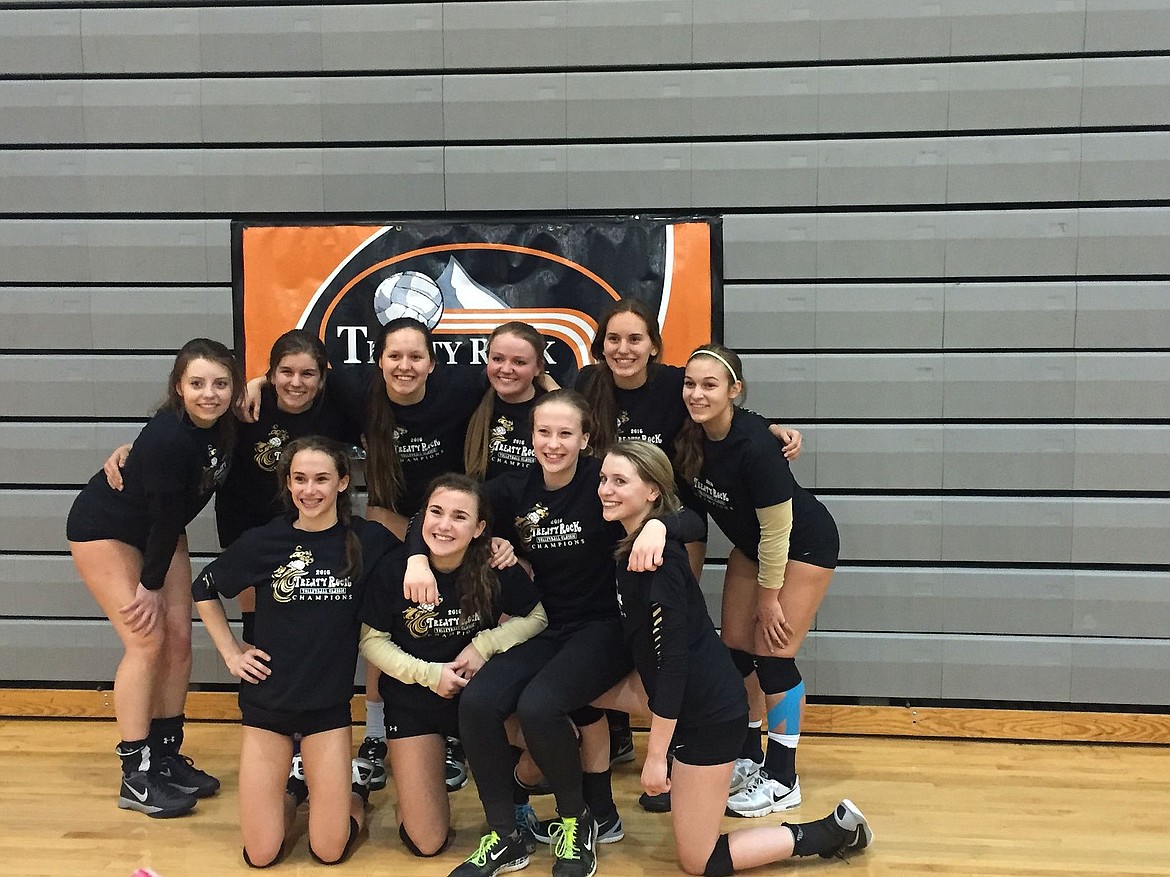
[
  {"x": 773, "y": 625},
  {"x": 468, "y": 662},
  {"x": 450, "y": 682},
  {"x": 249, "y": 665},
  {"x": 145, "y": 611},
  {"x": 654, "y": 778}
]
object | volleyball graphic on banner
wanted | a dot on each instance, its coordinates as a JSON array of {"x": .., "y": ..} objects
[{"x": 409, "y": 294}]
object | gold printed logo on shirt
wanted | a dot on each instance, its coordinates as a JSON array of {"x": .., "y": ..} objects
[
  {"x": 420, "y": 618},
  {"x": 267, "y": 452},
  {"x": 501, "y": 431},
  {"x": 526, "y": 523},
  {"x": 288, "y": 575}
]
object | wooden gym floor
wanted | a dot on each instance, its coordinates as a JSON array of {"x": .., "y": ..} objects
[{"x": 940, "y": 807}]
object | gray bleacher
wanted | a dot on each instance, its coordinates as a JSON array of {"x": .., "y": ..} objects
[{"x": 947, "y": 252}]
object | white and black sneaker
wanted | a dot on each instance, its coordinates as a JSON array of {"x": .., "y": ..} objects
[
  {"x": 181, "y": 772},
  {"x": 296, "y": 785},
  {"x": 147, "y": 792},
  {"x": 783, "y": 797},
  {"x": 856, "y": 827},
  {"x": 361, "y": 772},
  {"x": 373, "y": 751},
  {"x": 754, "y": 799},
  {"x": 455, "y": 767}
]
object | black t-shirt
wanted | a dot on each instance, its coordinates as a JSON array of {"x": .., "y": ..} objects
[
  {"x": 307, "y": 614},
  {"x": 436, "y": 634},
  {"x": 746, "y": 471},
  {"x": 251, "y": 495},
  {"x": 510, "y": 439},
  {"x": 686, "y": 669},
  {"x": 173, "y": 468},
  {"x": 562, "y": 534},
  {"x": 653, "y": 412},
  {"x": 430, "y": 433}
]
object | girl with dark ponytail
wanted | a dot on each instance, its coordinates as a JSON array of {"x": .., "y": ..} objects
[{"x": 310, "y": 570}]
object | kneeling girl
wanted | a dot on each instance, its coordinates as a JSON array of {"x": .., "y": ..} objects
[
  {"x": 310, "y": 570},
  {"x": 697, "y": 704},
  {"x": 427, "y": 652}
]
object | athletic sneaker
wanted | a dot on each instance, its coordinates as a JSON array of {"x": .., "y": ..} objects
[
  {"x": 296, "y": 785},
  {"x": 147, "y": 792},
  {"x": 181, "y": 772},
  {"x": 527, "y": 824},
  {"x": 609, "y": 829},
  {"x": 783, "y": 797},
  {"x": 754, "y": 799},
  {"x": 659, "y": 803},
  {"x": 621, "y": 746},
  {"x": 361, "y": 771},
  {"x": 856, "y": 827},
  {"x": 575, "y": 843},
  {"x": 455, "y": 767},
  {"x": 373, "y": 750},
  {"x": 742, "y": 774},
  {"x": 495, "y": 855}
]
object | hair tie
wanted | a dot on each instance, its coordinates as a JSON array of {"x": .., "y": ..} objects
[{"x": 703, "y": 351}]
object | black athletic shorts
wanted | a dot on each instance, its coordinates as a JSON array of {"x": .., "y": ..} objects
[
  {"x": 289, "y": 722},
  {"x": 703, "y": 745},
  {"x": 439, "y": 717},
  {"x": 87, "y": 522}
]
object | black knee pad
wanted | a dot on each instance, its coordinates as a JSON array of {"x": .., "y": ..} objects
[
  {"x": 586, "y": 715},
  {"x": 719, "y": 865},
  {"x": 744, "y": 662},
  {"x": 413, "y": 847},
  {"x": 275, "y": 860},
  {"x": 353, "y": 833},
  {"x": 777, "y": 675}
]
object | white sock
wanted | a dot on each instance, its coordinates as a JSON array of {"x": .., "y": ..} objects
[{"x": 376, "y": 719}]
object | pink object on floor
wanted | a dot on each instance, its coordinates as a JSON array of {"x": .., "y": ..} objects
[{"x": 144, "y": 872}]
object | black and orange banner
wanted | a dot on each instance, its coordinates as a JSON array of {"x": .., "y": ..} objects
[{"x": 344, "y": 282}]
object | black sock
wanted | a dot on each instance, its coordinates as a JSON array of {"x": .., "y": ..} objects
[
  {"x": 752, "y": 748},
  {"x": 135, "y": 755},
  {"x": 780, "y": 763},
  {"x": 166, "y": 735},
  {"x": 821, "y": 838},
  {"x": 520, "y": 793},
  {"x": 619, "y": 722},
  {"x": 597, "y": 790}
]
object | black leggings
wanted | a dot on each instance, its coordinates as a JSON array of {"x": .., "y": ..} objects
[{"x": 542, "y": 681}]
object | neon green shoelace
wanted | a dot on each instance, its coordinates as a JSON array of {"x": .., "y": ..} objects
[
  {"x": 479, "y": 857},
  {"x": 566, "y": 834}
]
